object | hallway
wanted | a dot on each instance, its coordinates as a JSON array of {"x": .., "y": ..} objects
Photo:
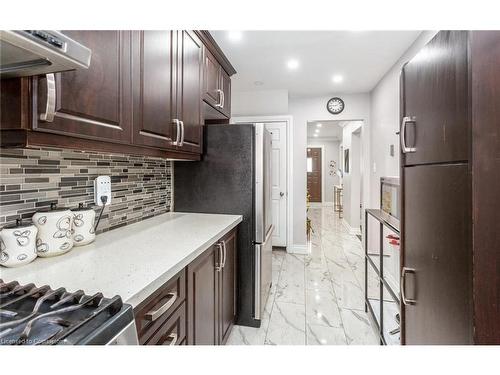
[{"x": 316, "y": 299}]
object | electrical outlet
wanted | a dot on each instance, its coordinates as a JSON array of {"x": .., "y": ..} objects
[{"x": 102, "y": 187}]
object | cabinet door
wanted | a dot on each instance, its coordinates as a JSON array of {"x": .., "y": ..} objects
[
  {"x": 202, "y": 299},
  {"x": 94, "y": 102},
  {"x": 225, "y": 85},
  {"x": 189, "y": 81},
  {"x": 434, "y": 91},
  {"x": 227, "y": 289},
  {"x": 211, "y": 79},
  {"x": 436, "y": 242},
  {"x": 153, "y": 88}
]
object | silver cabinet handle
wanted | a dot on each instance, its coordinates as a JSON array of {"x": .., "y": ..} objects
[
  {"x": 219, "y": 266},
  {"x": 223, "y": 102},
  {"x": 155, "y": 314},
  {"x": 224, "y": 254},
  {"x": 405, "y": 149},
  {"x": 50, "y": 109},
  {"x": 182, "y": 133},
  {"x": 402, "y": 285},
  {"x": 173, "y": 337},
  {"x": 178, "y": 134},
  {"x": 221, "y": 94}
]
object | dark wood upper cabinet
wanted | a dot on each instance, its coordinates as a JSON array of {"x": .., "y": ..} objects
[
  {"x": 142, "y": 95},
  {"x": 225, "y": 84},
  {"x": 434, "y": 86},
  {"x": 227, "y": 288},
  {"x": 189, "y": 80},
  {"x": 211, "y": 81},
  {"x": 216, "y": 85},
  {"x": 153, "y": 84},
  {"x": 95, "y": 102}
]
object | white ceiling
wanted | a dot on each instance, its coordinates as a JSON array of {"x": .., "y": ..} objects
[
  {"x": 330, "y": 130},
  {"x": 361, "y": 57}
]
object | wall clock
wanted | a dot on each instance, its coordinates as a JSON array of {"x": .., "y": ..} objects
[{"x": 335, "y": 106}]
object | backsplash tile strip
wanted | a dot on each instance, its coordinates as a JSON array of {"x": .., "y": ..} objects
[{"x": 32, "y": 179}]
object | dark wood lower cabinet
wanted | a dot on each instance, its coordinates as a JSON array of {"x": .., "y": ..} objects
[
  {"x": 211, "y": 293},
  {"x": 197, "y": 306},
  {"x": 202, "y": 301},
  {"x": 227, "y": 288}
]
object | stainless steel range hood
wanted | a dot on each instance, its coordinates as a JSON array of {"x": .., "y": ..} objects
[{"x": 34, "y": 52}]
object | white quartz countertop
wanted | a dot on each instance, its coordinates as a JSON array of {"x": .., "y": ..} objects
[{"x": 132, "y": 261}]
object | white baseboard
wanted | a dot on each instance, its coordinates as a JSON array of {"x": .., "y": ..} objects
[
  {"x": 351, "y": 230},
  {"x": 298, "y": 249}
]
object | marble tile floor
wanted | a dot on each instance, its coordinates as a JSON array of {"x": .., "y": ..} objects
[{"x": 316, "y": 299}]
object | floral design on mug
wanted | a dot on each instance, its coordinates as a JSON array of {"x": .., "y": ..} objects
[
  {"x": 22, "y": 237},
  {"x": 78, "y": 238},
  {"x": 64, "y": 227},
  {"x": 78, "y": 220},
  {"x": 41, "y": 247},
  {"x": 65, "y": 246},
  {"x": 42, "y": 220},
  {"x": 22, "y": 257},
  {"x": 4, "y": 257}
]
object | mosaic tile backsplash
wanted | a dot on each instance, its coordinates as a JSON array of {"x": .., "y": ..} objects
[{"x": 32, "y": 179}]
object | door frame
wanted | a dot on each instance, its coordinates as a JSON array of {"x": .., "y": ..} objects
[
  {"x": 289, "y": 161},
  {"x": 322, "y": 147}
]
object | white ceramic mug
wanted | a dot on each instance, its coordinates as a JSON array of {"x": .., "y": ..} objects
[
  {"x": 55, "y": 231},
  {"x": 17, "y": 244},
  {"x": 83, "y": 225}
]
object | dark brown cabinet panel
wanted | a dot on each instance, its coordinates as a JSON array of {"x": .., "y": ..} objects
[
  {"x": 227, "y": 289},
  {"x": 153, "y": 54},
  {"x": 437, "y": 247},
  {"x": 189, "y": 82},
  {"x": 225, "y": 84},
  {"x": 94, "y": 102},
  {"x": 216, "y": 86},
  {"x": 435, "y": 94},
  {"x": 211, "y": 80},
  {"x": 202, "y": 299}
]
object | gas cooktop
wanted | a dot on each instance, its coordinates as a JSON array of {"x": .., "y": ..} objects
[{"x": 31, "y": 315}]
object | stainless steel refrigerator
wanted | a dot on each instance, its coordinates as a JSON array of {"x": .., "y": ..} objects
[{"x": 234, "y": 177}]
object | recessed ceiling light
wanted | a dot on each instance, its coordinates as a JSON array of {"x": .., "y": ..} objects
[
  {"x": 234, "y": 36},
  {"x": 292, "y": 64},
  {"x": 316, "y": 134},
  {"x": 337, "y": 78},
  {"x": 317, "y": 130},
  {"x": 258, "y": 83},
  {"x": 319, "y": 125}
]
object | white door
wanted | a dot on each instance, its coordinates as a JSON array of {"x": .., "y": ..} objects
[{"x": 278, "y": 180}]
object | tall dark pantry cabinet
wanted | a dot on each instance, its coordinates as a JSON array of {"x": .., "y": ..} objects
[{"x": 450, "y": 170}]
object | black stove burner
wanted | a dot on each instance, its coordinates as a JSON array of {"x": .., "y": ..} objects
[{"x": 31, "y": 315}]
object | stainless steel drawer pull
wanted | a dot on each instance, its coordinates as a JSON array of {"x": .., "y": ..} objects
[
  {"x": 224, "y": 254},
  {"x": 155, "y": 314},
  {"x": 173, "y": 338},
  {"x": 182, "y": 134},
  {"x": 220, "y": 261},
  {"x": 405, "y": 149},
  {"x": 223, "y": 101},
  {"x": 50, "y": 109},
  {"x": 178, "y": 132},
  {"x": 402, "y": 285},
  {"x": 221, "y": 96}
]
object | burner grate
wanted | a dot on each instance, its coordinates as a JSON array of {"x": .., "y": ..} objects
[{"x": 39, "y": 315}]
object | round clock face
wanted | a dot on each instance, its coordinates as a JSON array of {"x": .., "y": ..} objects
[{"x": 335, "y": 106}]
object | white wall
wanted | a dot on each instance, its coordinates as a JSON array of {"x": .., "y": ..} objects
[
  {"x": 331, "y": 152},
  {"x": 352, "y": 136},
  {"x": 259, "y": 103},
  {"x": 357, "y": 107},
  {"x": 384, "y": 116}
]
